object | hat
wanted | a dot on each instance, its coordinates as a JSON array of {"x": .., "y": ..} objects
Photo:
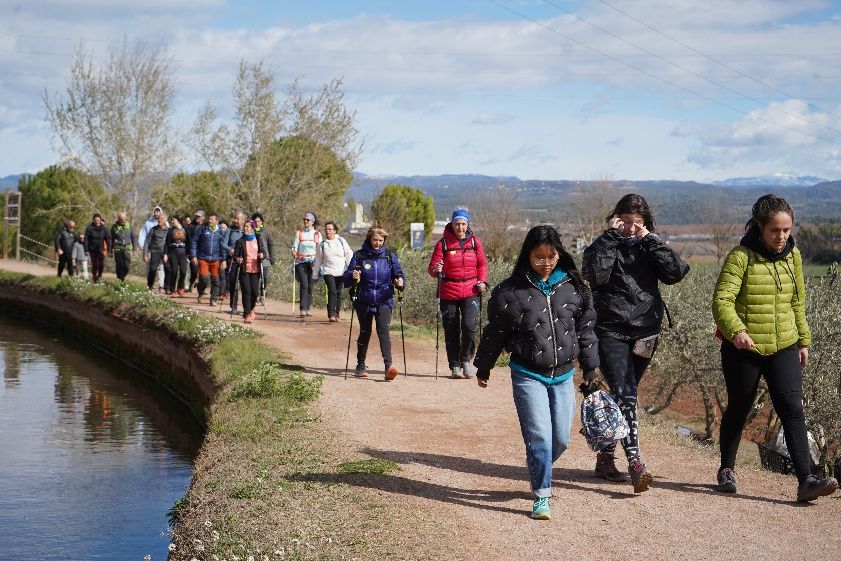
[
  {"x": 159, "y": 209},
  {"x": 460, "y": 214},
  {"x": 309, "y": 216},
  {"x": 199, "y": 213}
]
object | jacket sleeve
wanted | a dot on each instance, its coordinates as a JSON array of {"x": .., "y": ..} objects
[
  {"x": 194, "y": 242},
  {"x": 58, "y": 240},
  {"x": 146, "y": 241},
  {"x": 226, "y": 238},
  {"x": 798, "y": 304},
  {"x": 599, "y": 258},
  {"x": 667, "y": 263},
  {"x": 348, "y": 252},
  {"x": 295, "y": 243},
  {"x": 727, "y": 288},
  {"x": 496, "y": 333},
  {"x": 588, "y": 343},
  {"x": 238, "y": 249},
  {"x": 398, "y": 269},
  {"x": 348, "y": 276},
  {"x": 270, "y": 248},
  {"x": 88, "y": 248},
  {"x": 481, "y": 262},
  {"x": 264, "y": 247},
  {"x": 141, "y": 237},
  {"x": 437, "y": 257},
  {"x": 316, "y": 264}
]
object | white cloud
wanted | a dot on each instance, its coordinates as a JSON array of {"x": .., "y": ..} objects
[{"x": 484, "y": 119}]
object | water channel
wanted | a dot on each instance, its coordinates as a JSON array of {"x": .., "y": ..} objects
[{"x": 92, "y": 453}]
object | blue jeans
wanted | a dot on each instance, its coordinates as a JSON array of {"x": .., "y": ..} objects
[{"x": 545, "y": 414}]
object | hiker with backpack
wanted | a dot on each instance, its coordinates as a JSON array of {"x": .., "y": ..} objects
[
  {"x": 304, "y": 248},
  {"x": 459, "y": 261},
  {"x": 543, "y": 317},
  {"x": 759, "y": 307},
  {"x": 373, "y": 273},
  {"x": 624, "y": 267},
  {"x": 260, "y": 228},
  {"x": 331, "y": 260},
  {"x": 249, "y": 250}
]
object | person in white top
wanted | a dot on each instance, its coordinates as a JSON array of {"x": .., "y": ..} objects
[{"x": 332, "y": 257}]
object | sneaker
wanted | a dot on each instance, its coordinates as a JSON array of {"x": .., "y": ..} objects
[
  {"x": 391, "y": 373},
  {"x": 606, "y": 468},
  {"x": 199, "y": 299},
  {"x": 247, "y": 318},
  {"x": 814, "y": 487},
  {"x": 361, "y": 371},
  {"x": 726, "y": 480},
  {"x": 455, "y": 372},
  {"x": 232, "y": 310},
  {"x": 467, "y": 370},
  {"x": 540, "y": 509},
  {"x": 641, "y": 478},
  {"x": 180, "y": 292}
]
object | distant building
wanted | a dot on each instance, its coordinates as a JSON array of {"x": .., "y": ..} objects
[{"x": 357, "y": 224}]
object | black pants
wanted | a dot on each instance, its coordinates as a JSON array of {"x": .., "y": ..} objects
[
  {"x": 155, "y": 259},
  {"x": 194, "y": 276},
  {"x": 334, "y": 295},
  {"x": 65, "y": 260},
  {"x": 178, "y": 266},
  {"x": 623, "y": 370},
  {"x": 250, "y": 285},
  {"x": 303, "y": 272},
  {"x": 122, "y": 263},
  {"x": 782, "y": 372},
  {"x": 366, "y": 318},
  {"x": 97, "y": 265},
  {"x": 459, "y": 320}
]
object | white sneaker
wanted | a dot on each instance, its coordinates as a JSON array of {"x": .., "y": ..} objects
[
  {"x": 468, "y": 370},
  {"x": 456, "y": 372}
]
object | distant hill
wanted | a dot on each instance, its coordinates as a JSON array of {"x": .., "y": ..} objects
[
  {"x": 9, "y": 183},
  {"x": 775, "y": 180}
]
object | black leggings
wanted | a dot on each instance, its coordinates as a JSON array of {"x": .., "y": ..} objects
[
  {"x": 458, "y": 318},
  {"x": 783, "y": 375},
  {"x": 250, "y": 285},
  {"x": 366, "y": 318},
  {"x": 303, "y": 272},
  {"x": 623, "y": 370},
  {"x": 334, "y": 294},
  {"x": 178, "y": 266}
]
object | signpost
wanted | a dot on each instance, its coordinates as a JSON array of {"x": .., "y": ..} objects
[
  {"x": 11, "y": 217},
  {"x": 416, "y": 230}
]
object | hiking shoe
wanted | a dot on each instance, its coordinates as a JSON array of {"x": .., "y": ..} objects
[
  {"x": 726, "y": 480},
  {"x": 360, "y": 371},
  {"x": 641, "y": 478},
  {"x": 391, "y": 373},
  {"x": 468, "y": 370},
  {"x": 455, "y": 372},
  {"x": 606, "y": 468},
  {"x": 199, "y": 299},
  {"x": 814, "y": 487},
  {"x": 540, "y": 509},
  {"x": 247, "y": 318},
  {"x": 180, "y": 292}
]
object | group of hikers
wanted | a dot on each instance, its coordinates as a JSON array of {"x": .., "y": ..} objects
[{"x": 547, "y": 316}]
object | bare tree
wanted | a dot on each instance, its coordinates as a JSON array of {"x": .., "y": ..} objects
[
  {"x": 113, "y": 122},
  {"x": 496, "y": 219},
  {"x": 590, "y": 203},
  {"x": 724, "y": 229}
]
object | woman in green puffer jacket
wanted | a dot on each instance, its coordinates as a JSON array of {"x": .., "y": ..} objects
[{"x": 759, "y": 307}]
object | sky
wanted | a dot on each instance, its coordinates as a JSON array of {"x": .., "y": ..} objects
[{"x": 538, "y": 89}]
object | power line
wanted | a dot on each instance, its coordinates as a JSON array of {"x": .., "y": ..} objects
[
  {"x": 692, "y": 72},
  {"x": 655, "y": 77}
]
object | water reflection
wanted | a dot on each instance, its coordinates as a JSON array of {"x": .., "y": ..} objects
[{"x": 92, "y": 454}]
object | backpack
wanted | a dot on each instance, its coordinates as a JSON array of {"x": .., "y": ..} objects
[
  {"x": 358, "y": 257},
  {"x": 443, "y": 242},
  {"x": 602, "y": 422}
]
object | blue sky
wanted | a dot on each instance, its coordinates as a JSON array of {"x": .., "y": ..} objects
[{"x": 546, "y": 89}]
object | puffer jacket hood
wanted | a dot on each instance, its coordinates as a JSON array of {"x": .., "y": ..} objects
[{"x": 753, "y": 240}]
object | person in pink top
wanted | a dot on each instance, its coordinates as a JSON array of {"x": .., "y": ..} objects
[
  {"x": 249, "y": 252},
  {"x": 459, "y": 258}
]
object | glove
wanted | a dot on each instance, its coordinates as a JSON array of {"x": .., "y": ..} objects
[{"x": 589, "y": 385}]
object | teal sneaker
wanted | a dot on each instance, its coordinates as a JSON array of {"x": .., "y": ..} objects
[
  {"x": 468, "y": 370},
  {"x": 540, "y": 509}
]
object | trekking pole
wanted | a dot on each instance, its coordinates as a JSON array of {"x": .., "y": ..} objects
[
  {"x": 293, "y": 287},
  {"x": 263, "y": 288},
  {"x": 402, "y": 337},
  {"x": 353, "y": 291},
  {"x": 437, "y": 319}
]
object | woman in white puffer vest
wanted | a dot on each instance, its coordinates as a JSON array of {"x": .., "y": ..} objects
[{"x": 332, "y": 257}]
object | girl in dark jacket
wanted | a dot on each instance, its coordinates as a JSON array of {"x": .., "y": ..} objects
[
  {"x": 624, "y": 266},
  {"x": 373, "y": 273},
  {"x": 249, "y": 252},
  {"x": 459, "y": 259},
  {"x": 542, "y": 315}
]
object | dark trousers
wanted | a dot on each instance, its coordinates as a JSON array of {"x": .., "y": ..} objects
[
  {"x": 177, "y": 266},
  {"x": 122, "y": 263},
  {"x": 623, "y": 370},
  {"x": 334, "y": 295},
  {"x": 783, "y": 375},
  {"x": 250, "y": 286},
  {"x": 458, "y": 318},
  {"x": 65, "y": 260},
  {"x": 97, "y": 265},
  {"x": 223, "y": 283},
  {"x": 366, "y": 318},
  {"x": 155, "y": 259},
  {"x": 194, "y": 275},
  {"x": 303, "y": 272}
]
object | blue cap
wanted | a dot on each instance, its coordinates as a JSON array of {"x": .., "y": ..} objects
[{"x": 460, "y": 214}]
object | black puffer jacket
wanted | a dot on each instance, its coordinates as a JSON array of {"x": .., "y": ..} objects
[
  {"x": 624, "y": 282},
  {"x": 97, "y": 239},
  {"x": 542, "y": 333}
]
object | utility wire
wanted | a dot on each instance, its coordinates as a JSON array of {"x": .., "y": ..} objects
[
  {"x": 692, "y": 72},
  {"x": 658, "y": 78}
]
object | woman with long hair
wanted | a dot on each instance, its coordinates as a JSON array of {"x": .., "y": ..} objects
[
  {"x": 625, "y": 266},
  {"x": 542, "y": 315},
  {"x": 759, "y": 307}
]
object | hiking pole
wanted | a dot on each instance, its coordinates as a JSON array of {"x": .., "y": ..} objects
[
  {"x": 438, "y": 318},
  {"x": 263, "y": 287},
  {"x": 293, "y": 288},
  {"x": 402, "y": 337},
  {"x": 353, "y": 291}
]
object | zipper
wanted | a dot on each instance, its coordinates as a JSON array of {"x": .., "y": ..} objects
[{"x": 551, "y": 319}]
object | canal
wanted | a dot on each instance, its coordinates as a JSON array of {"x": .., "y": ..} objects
[{"x": 92, "y": 453}]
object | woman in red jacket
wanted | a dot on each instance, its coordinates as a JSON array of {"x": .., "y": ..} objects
[{"x": 459, "y": 259}]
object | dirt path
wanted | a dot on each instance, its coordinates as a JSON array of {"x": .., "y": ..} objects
[{"x": 463, "y": 476}]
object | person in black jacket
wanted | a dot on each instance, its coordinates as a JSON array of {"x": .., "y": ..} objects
[
  {"x": 176, "y": 257},
  {"x": 64, "y": 242},
  {"x": 624, "y": 267},
  {"x": 249, "y": 252},
  {"x": 542, "y": 315},
  {"x": 154, "y": 250},
  {"x": 97, "y": 245}
]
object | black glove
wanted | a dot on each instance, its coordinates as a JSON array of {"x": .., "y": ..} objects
[{"x": 589, "y": 385}]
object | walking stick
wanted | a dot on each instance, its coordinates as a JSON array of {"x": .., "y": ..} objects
[
  {"x": 293, "y": 288},
  {"x": 263, "y": 288},
  {"x": 352, "y": 309},
  {"x": 437, "y": 320},
  {"x": 402, "y": 337}
]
